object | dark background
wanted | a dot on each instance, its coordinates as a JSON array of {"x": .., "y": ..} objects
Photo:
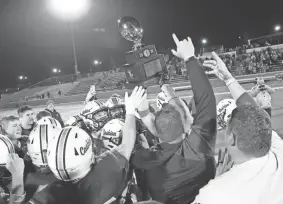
[{"x": 32, "y": 40}]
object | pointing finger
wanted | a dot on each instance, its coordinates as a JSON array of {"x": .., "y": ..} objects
[
  {"x": 176, "y": 40},
  {"x": 190, "y": 40}
]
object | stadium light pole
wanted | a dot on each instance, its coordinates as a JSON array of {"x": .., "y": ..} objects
[
  {"x": 203, "y": 42},
  {"x": 70, "y": 11},
  {"x": 277, "y": 28}
]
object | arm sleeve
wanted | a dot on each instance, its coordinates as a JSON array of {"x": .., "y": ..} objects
[
  {"x": 106, "y": 179},
  {"x": 203, "y": 135}
]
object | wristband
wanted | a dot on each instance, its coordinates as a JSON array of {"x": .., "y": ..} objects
[
  {"x": 230, "y": 81},
  {"x": 144, "y": 113}
]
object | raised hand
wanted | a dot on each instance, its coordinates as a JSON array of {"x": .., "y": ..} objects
[
  {"x": 132, "y": 102},
  {"x": 185, "y": 48},
  {"x": 144, "y": 105},
  {"x": 218, "y": 68}
]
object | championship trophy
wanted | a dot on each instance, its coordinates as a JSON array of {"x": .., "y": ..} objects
[{"x": 144, "y": 66}]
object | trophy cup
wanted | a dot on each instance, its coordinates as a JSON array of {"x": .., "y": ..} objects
[{"x": 144, "y": 66}]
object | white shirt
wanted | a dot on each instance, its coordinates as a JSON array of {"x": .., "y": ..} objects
[
  {"x": 263, "y": 98},
  {"x": 259, "y": 181}
]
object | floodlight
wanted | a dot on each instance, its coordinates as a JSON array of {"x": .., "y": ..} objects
[
  {"x": 204, "y": 41},
  {"x": 277, "y": 28},
  {"x": 69, "y": 9}
]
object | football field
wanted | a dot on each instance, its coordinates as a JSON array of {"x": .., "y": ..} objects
[{"x": 71, "y": 109}]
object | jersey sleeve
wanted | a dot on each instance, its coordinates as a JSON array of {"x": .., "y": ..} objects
[
  {"x": 203, "y": 134},
  {"x": 106, "y": 179}
]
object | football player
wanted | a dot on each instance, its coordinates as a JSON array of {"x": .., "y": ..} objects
[
  {"x": 224, "y": 110},
  {"x": 86, "y": 177}
]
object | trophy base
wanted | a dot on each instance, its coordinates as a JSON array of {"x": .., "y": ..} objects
[{"x": 145, "y": 84}]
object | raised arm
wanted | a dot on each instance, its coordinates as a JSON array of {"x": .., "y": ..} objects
[
  {"x": 220, "y": 70},
  {"x": 203, "y": 134},
  {"x": 205, "y": 117},
  {"x": 16, "y": 167},
  {"x": 129, "y": 131}
]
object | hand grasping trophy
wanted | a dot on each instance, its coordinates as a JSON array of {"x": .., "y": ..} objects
[{"x": 144, "y": 65}]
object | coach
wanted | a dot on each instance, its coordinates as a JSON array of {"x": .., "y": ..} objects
[{"x": 183, "y": 162}]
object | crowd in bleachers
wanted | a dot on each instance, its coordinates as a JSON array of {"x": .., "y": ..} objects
[{"x": 255, "y": 62}]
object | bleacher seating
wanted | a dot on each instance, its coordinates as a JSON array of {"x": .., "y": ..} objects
[
  {"x": 84, "y": 84},
  {"x": 53, "y": 90},
  {"x": 55, "y": 80},
  {"x": 111, "y": 81}
]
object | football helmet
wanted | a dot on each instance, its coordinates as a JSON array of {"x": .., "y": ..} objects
[
  {"x": 160, "y": 100},
  {"x": 38, "y": 142},
  {"x": 114, "y": 100},
  {"x": 70, "y": 154},
  {"x": 91, "y": 107},
  {"x": 97, "y": 115},
  {"x": 224, "y": 110},
  {"x": 6, "y": 148},
  {"x": 49, "y": 121},
  {"x": 117, "y": 111},
  {"x": 111, "y": 134}
]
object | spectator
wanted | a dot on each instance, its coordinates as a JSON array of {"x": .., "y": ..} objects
[
  {"x": 59, "y": 93},
  {"x": 48, "y": 95},
  {"x": 42, "y": 96},
  {"x": 42, "y": 114},
  {"x": 262, "y": 93},
  {"x": 50, "y": 107},
  {"x": 27, "y": 119}
]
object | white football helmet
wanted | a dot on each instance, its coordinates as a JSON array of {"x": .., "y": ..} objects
[
  {"x": 70, "y": 154},
  {"x": 91, "y": 107},
  {"x": 6, "y": 148},
  {"x": 38, "y": 142},
  {"x": 224, "y": 110},
  {"x": 160, "y": 100},
  {"x": 49, "y": 121},
  {"x": 111, "y": 134}
]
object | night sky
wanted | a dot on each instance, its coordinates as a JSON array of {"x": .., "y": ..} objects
[{"x": 32, "y": 40}]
